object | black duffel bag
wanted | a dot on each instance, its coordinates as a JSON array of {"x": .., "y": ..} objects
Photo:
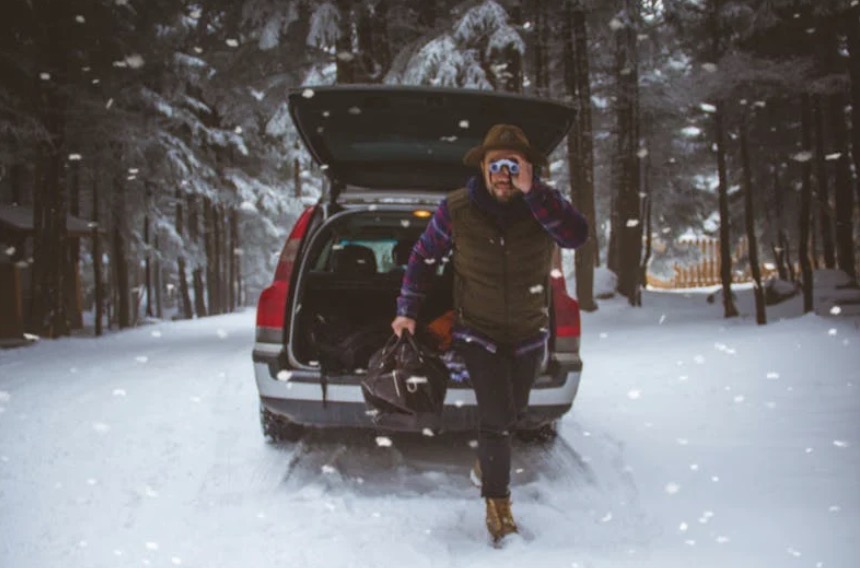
[{"x": 405, "y": 385}]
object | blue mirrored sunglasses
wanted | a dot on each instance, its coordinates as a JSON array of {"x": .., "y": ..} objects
[{"x": 496, "y": 167}]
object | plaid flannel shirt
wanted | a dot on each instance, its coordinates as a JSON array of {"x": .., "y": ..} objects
[{"x": 567, "y": 226}]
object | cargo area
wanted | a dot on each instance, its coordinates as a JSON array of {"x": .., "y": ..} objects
[{"x": 348, "y": 290}]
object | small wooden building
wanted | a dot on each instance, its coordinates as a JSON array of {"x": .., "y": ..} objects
[{"x": 16, "y": 245}]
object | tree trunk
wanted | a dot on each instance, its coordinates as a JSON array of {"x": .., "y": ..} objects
[
  {"x": 199, "y": 293},
  {"x": 232, "y": 259},
  {"x": 806, "y": 203},
  {"x": 146, "y": 261},
  {"x": 297, "y": 177},
  {"x": 512, "y": 76},
  {"x": 159, "y": 280},
  {"x": 209, "y": 239},
  {"x": 345, "y": 58},
  {"x": 72, "y": 280},
  {"x": 541, "y": 49},
  {"x": 824, "y": 224},
  {"x": 97, "y": 258},
  {"x": 185, "y": 295},
  {"x": 842, "y": 187},
  {"x": 427, "y": 11},
  {"x": 749, "y": 217},
  {"x": 646, "y": 215},
  {"x": 49, "y": 314},
  {"x": 629, "y": 227},
  {"x": 729, "y": 309},
  {"x": 581, "y": 166},
  {"x": 852, "y": 33}
]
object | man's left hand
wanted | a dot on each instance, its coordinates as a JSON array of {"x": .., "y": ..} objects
[{"x": 523, "y": 180}]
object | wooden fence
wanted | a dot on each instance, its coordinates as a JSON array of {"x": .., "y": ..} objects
[{"x": 705, "y": 271}]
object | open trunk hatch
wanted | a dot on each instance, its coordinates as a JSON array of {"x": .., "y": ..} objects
[{"x": 402, "y": 138}]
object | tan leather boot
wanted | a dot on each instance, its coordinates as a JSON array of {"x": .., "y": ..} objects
[{"x": 500, "y": 520}]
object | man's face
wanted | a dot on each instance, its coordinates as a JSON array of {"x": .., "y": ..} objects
[{"x": 502, "y": 185}]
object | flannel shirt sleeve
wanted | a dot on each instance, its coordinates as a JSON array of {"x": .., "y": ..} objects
[
  {"x": 431, "y": 247},
  {"x": 567, "y": 226}
]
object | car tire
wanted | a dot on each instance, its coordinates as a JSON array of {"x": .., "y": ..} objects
[
  {"x": 277, "y": 428},
  {"x": 543, "y": 434}
]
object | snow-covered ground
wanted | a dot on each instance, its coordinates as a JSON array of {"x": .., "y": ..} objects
[{"x": 694, "y": 441}]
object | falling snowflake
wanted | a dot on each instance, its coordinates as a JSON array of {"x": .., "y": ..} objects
[
  {"x": 428, "y": 432},
  {"x": 141, "y": 358},
  {"x": 152, "y": 545},
  {"x": 221, "y": 333},
  {"x": 694, "y": 467},
  {"x": 672, "y": 488},
  {"x": 832, "y": 331},
  {"x": 473, "y": 444},
  {"x": 773, "y": 376},
  {"x": 682, "y": 441},
  {"x": 80, "y": 19},
  {"x": 5, "y": 396},
  {"x": 603, "y": 335},
  {"x": 232, "y": 43},
  {"x": 793, "y": 552},
  {"x": 284, "y": 375},
  {"x": 634, "y": 394},
  {"x": 100, "y": 427},
  {"x": 464, "y": 124},
  {"x": 722, "y": 539},
  {"x": 119, "y": 392},
  {"x": 135, "y": 61},
  {"x": 45, "y": 76},
  {"x": 308, "y": 93},
  {"x": 835, "y": 310},
  {"x": 739, "y": 399},
  {"x": 383, "y": 442},
  {"x": 328, "y": 469},
  {"x": 556, "y": 273},
  {"x": 840, "y": 444},
  {"x": 709, "y": 108},
  {"x": 156, "y": 333},
  {"x": 537, "y": 289},
  {"x": 606, "y": 518},
  {"x": 804, "y": 156}
]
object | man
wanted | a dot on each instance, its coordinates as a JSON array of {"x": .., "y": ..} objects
[{"x": 503, "y": 228}]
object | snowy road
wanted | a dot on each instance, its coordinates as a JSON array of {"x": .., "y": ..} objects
[{"x": 694, "y": 442}]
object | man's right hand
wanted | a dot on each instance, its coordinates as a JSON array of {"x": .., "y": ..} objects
[{"x": 402, "y": 322}]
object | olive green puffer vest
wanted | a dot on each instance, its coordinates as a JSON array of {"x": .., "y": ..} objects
[{"x": 501, "y": 278}]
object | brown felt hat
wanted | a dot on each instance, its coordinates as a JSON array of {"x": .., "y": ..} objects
[{"x": 504, "y": 137}]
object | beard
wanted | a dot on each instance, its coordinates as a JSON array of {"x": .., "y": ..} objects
[{"x": 504, "y": 192}]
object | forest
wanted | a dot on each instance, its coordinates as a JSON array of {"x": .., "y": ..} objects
[{"x": 161, "y": 127}]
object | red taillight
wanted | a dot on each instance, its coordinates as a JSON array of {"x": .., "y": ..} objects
[
  {"x": 272, "y": 306},
  {"x": 567, "y": 322}
]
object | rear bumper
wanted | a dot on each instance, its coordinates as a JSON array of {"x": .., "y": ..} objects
[{"x": 298, "y": 395}]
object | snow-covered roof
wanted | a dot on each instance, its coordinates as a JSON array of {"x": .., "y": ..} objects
[{"x": 17, "y": 218}]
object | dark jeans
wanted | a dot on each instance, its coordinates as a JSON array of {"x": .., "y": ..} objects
[{"x": 502, "y": 383}]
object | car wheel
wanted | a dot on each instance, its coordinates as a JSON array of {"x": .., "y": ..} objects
[
  {"x": 542, "y": 434},
  {"x": 277, "y": 428}
]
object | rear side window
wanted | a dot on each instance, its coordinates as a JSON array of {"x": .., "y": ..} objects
[{"x": 368, "y": 243}]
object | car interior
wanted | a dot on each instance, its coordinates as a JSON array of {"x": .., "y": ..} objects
[{"x": 348, "y": 292}]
